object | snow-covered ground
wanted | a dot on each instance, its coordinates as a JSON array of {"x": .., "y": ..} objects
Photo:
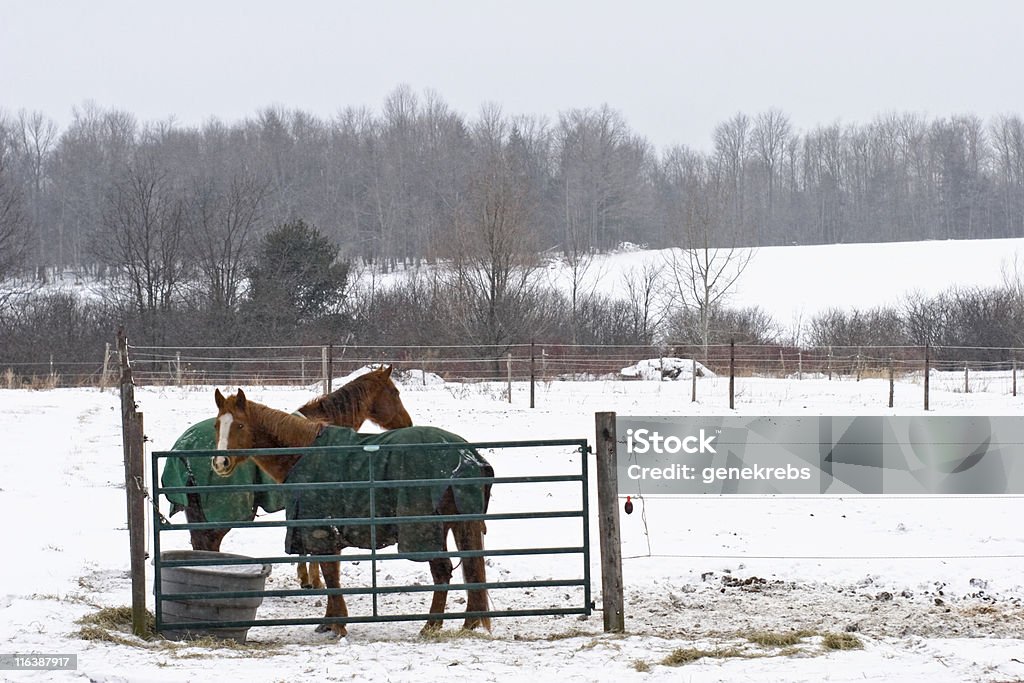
[
  {"x": 792, "y": 283},
  {"x": 932, "y": 587}
]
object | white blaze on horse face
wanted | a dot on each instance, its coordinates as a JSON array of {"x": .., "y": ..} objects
[{"x": 225, "y": 429}]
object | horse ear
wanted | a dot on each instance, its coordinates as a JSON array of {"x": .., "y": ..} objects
[
  {"x": 219, "y": 398},
  {"x": 240, "y": 399},
  {"x": 387, "y": 370}
]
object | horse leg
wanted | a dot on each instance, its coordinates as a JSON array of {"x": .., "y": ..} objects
[
  {"x": 470, "y": 536},
  {"x": 441, "y": 571},
  {"x": 202, "y": 539},
  {"x": 207, "y": 539},
  {"x": 309, "y": 575},
  {"x": 336, "y": 606}
]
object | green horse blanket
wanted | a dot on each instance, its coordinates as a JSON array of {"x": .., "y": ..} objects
[
  {"x": 389, "y": 464},
  {"x": 217, "y": 507}
]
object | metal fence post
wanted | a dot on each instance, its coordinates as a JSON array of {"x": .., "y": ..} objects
[
  {"x": 533, "y": 372},
  {"x": 732, "y": 374},
  {"x": 927, "y": 372},
  {"x": 892, "y": 384}
]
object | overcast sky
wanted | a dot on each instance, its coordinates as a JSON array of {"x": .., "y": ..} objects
[{"x": 673, "y": 69}]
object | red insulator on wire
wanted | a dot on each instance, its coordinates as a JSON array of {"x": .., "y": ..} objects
[{"x": 629, "y": 506}]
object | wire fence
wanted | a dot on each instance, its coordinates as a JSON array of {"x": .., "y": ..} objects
[{"x": 304, "y": 365}]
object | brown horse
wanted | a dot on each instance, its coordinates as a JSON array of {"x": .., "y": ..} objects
[
  {"x": 372, "y": 396},
  {"x": 244, "y": 424}
]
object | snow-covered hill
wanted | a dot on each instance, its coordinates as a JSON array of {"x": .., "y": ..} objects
[{"x": 799, "y": 281}]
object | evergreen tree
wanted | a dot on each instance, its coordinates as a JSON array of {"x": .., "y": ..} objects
[{"x": 295, "y": 279}]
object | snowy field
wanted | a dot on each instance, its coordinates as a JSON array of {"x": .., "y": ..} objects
[
  {"x": 931, "y": 587},
  {"x": 792, "y": 283}
]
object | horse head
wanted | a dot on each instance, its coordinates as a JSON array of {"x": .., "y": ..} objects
[
  {"x": 233, "y": 430},
  {"x": 242, "y": 423},
  {"x": 386, "y": 409}
]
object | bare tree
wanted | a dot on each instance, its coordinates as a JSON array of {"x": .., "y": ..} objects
[
  {"x": 35, "y": 140},
  {"x": 579, "y": 260},
  {"x": 144, "y": 242},
  {"x": 646, "y": 312},
  {"x": 223, "y": 226},
  {"x": 14, "y": 224},
  {"x": 494, "y": 259},
  {"x": 1008, "y": 140},
  {"x": 732, "y": 142},
  {"x": 704, "y": 271},
  {"x": 769, "y": 136},
  {"x": 601, "y": 176}
]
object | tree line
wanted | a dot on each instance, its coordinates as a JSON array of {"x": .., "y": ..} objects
[
  {"x": 278, "y": 228},
  {"x": 389, "y": 186}
]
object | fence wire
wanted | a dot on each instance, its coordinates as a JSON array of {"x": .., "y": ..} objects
[{"x": 305, "y": 365}]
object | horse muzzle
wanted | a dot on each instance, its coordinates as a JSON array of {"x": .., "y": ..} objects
[{"x": 221, "y": 465}]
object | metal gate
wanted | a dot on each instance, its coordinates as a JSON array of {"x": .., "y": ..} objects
[{"x": 579, "y": 580}]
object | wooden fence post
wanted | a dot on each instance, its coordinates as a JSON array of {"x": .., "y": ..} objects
[
  {"x": 106, "y": 367},
  {"x": 330, "y": 368},
  {"x": 323, "y": 370},
  {"x": 608, "y": 524},
  {"x": 134, "y": 474},
  {"x": 1014, "y": 376},
  {"x": 967, "y": 380},
  {"x": 693, "y": 380},
  {"x": 508, "y": 371}
]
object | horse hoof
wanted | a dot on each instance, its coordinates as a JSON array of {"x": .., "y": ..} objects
[
  {"x": 472, "y": 624},
  {"x": 307, "y": 586},
  {"x": 431, "y": 628},
  {"x": 325, "y": 628}
]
